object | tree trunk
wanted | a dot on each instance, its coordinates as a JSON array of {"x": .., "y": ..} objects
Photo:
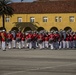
[{"x": 3, "y": 20}]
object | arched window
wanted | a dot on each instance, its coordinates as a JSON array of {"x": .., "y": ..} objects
[
  {"x": 67, "y": 28},
  {"x": 40, "y": 28},
  {"x": 54, "y": 28},
  {"x": 15, "y": 28},
  {"x": 27, "y": 29}
]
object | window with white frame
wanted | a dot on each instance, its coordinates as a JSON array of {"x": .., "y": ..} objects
[
  {"x": 45, "y": 19},
  {"x": 60, "y": 19},
  {"x": 32, "y": 19},
  {"x": 19, "y": 19},
  {"x": 56, "y": 19},
  {"x": 7, "y": 19},
  {"x": 72, "y": 19}
]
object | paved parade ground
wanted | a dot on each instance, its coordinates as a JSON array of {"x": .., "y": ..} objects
[{"x": 37, "y": 62}]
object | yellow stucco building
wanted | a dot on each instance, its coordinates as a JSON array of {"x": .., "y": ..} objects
[{"x": 42, "y": 15}]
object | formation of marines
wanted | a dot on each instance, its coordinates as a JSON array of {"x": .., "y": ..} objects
[{"x": 34, "y": 39}]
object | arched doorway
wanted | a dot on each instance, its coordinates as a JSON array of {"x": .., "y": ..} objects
[
  {"x": 27, "y": 29},
  {"x": 40, "y": 28},
  {"x": 15, "y": 28},
  {"x": 2, "y": 28},
  {"x": 54, "y": 29},
  {"x": 67, "y": 28}
]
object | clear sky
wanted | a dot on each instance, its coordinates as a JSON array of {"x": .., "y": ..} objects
[{"x": 23, "y": 0}]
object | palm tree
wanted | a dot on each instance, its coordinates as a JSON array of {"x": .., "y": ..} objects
[{"x": 5, "y": 10}]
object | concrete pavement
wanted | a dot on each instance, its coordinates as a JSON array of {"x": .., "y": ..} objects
[{"x": 37, "y": 62}]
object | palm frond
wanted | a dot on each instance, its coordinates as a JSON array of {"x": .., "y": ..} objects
[{"x": 5, "y": 9}]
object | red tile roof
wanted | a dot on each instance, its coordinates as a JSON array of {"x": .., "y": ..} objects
[{"x": 44, "y": 7}]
